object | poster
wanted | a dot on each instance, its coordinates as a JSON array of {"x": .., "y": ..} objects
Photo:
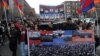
[
  {"x": 51, "y": 13},
  {"x": 62, "y": 43}
]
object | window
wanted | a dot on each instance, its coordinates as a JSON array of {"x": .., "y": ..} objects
[
  {"x": 46, "y": 11},
  {"x": 51, "y": 10},
  {"x": 56, "y": 10},
  {"x": 61, "y": 9},
  {"x": 68, "y": 3},
  {"x": 68, "y": 7},
  {"x": 41, "y": 9}
]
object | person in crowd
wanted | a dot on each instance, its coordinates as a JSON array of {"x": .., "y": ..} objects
[
  {"x": 80, "y": 26},
  {"x": 13, "y": 38},
  {"x": 1, "y": 34},
  {"x": 89, "y": 25},
  {"x": 43, "y": 26},
  {"x": 97, "y": 32},
  {"x": 36, "y": 31},
  {"x": 70, "y": 25},
  {"x": 18, "y": 24},
  {"x": 50, "y": 26},
  {"x": 23, "y": 40}
]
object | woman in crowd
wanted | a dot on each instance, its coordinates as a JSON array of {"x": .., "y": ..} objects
[
  {"x": 81, "y": 25},
  {"x": 50, "y": 26}
]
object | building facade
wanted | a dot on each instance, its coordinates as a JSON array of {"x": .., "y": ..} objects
[{"x": 70, "y": 8}]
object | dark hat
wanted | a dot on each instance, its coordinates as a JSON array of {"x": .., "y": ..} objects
[{"x": 69, "y": 19}]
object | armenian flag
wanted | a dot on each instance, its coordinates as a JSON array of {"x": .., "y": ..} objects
[
  {"x": 86, "y": 5},
  {"x": 97, "y": 1}
]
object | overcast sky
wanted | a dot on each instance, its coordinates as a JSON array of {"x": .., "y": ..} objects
[{"x": 35, "y": 3}]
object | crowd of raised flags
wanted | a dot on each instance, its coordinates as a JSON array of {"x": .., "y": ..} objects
[{"x": 7, "y": 5}]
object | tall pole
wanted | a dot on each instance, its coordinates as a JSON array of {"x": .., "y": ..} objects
[
  {"x": 96, "y": 22},
  {"x": 97, "y": 27},
  {"x": 20, "y": 14},
  {"x": 28, "y": 46},
  {"x": 28, "y": 41},
  {"x": 21, "y": 11},
  {"x": 11, "y": 7},
  {"x": 6, "y": 18}
]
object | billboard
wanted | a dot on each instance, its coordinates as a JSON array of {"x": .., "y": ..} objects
[{"x": 51, "y": 12}]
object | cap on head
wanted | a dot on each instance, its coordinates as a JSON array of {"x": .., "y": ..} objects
[{"x": 69, "y": 19}]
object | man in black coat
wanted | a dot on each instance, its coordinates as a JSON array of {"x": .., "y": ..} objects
[
  {"x": 13, "y": 37},
  {"x": 69, "y": 25},
  {"x": 1, "y": 34}
]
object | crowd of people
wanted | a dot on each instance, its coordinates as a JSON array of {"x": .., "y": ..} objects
[
  {"x": 68, "y": 49},
  {"x": 68, "y": 25},
  {"x": 16, "y": 31}
]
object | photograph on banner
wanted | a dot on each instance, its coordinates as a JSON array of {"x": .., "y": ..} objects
[{"x": 61, "y": 42}]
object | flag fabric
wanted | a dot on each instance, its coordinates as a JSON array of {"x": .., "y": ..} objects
[
  {"x": 1, "y": 8},
  {"x": 16, "y": 1},
  {"x": 20, "y": 11},
  {"x": 92, "y": 10},
  {"x": 0, "y": 4},
  {"x": 79, "y": 11},
  {"x": 19, "y": 6},
  {"x": 5, "y": 4},
  {"x": 86, "y": 5},
  {"x": 11, "y": 5},
  {"x": 97, "y": 1},
  {"x": 85, "y": 9}
]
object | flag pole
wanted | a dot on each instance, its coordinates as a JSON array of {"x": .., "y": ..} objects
[
  {"x": 28, "y": 42},
  {"x": 20, "y": 14},
  {"x": 6, "y": 18},
  {"x": 97, "y": 27},
  {"x": 97, "y": 22},
  {"x": 79, "y": 14},
  {"x": 22, "y": 9},
  {"x": 28, "y": 46},
  {"x": 12, "y": 11}
]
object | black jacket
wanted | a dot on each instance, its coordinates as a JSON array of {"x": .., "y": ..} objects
[
  {"x": 1, "y": 31},
  {"x": 14, "y": 35},
  {"x": 70, "y": 26}
]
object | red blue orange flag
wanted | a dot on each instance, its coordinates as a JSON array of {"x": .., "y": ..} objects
[
  {"x": 5, "y": 5},
  {"x": 86, "y": 5},
  {"x": 97, "y": 1}
]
